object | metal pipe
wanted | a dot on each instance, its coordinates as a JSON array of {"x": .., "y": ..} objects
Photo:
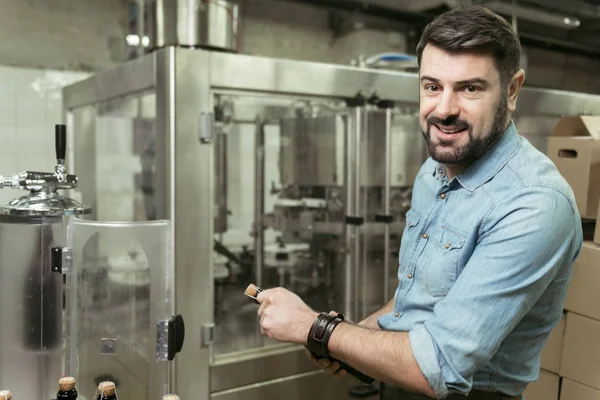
[
  {"x": 141, "y": 12},
  {"x": 259, "y": 209},
  {"x": 365, "y": 162},
  {"x": 259, "y": 200},
  {"x": 356, "y": 210},
  {"x": 386, "y": 204},
  {"x": 349, "y": 157},
  {"x": 577, "y": 7},
  {"x": 535, "y": 15}
]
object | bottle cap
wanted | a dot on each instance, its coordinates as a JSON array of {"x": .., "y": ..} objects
[
  {"x": 5, "y": 395},
  {"x": 67, "y": 383},
  {"x": 106, "y": 388},
  {"x": 170, "y": 397}
]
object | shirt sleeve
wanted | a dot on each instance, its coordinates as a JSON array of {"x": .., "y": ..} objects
[{"x": 523, "y": 243}]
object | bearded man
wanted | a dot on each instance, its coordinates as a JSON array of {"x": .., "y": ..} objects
[{"x": 489, "y": 244}]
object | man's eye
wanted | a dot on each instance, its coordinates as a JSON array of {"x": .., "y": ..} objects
[
  {"x": 432, "y": 88},
  {"x": 471, "y": 89}
]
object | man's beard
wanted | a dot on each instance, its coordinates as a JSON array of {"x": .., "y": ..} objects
[{"x": 475, "y": 147}]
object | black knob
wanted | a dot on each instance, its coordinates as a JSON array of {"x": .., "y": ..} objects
[{"x": 61, "y": 141}]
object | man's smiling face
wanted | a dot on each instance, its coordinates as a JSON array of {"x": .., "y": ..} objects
[{"x": 463, "y": 104}]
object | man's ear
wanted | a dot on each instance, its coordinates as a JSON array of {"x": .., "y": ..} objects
[{"x": 513, "y": 89}]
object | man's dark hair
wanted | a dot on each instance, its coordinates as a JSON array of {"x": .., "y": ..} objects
[{"x": 475, "y": 29}]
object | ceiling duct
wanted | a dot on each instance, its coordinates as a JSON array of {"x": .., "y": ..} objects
[
  {"x": 416, "y": 6},
  {"x": 523, "y": 12},
  {"x": 534, "y": 15},
  {"x": 577, "y": 7},
  {"x": 212, "y": 24}
]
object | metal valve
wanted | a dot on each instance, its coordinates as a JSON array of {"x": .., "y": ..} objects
[{"x": 45, "y": 181}]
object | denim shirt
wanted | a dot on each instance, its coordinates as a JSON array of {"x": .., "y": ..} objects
[{"x": 484, "y": 265}]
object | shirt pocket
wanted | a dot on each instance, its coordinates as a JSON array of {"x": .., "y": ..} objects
[
  {"x": 413, "y": 217},
  {"x": 440, "y": 269}
]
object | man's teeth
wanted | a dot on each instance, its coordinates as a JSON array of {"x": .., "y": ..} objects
[{"x": 451, "y": 130}]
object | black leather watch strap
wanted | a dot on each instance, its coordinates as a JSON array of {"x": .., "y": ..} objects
[
  {"x": 316, "y": 335},
  {"x": 328, "y": 331}
]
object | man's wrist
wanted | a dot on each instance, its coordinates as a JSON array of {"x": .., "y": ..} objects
[{"x": 310, "y": 320}]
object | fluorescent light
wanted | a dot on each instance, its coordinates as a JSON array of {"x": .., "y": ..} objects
[{"x": 134, "y": 40}]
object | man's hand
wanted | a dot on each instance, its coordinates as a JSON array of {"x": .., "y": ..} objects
[
  {"x": 328, "y": 366},
  {"x": 284, "y": 316}
]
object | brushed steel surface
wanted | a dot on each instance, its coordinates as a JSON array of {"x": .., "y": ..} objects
[
  {"x": 311, "y": 385},
  {"x": 126, "y": 79},
  {"x": 31, "y": 311},
  {"x": 192, "y": 23},
  {"x": 263, "y": 365},
  {"x": 190, "y": 184}
]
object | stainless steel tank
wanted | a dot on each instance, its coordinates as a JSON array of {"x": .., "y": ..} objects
[
  {"x": 194, "y": 23},
  {"x": 31, "y": 295}
]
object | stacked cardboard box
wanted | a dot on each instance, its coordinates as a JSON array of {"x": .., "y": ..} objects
[
  {"x": 574, "y": 146},
  {"x": 571, "y": 359}
]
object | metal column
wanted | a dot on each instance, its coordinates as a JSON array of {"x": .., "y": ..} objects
[
  {"x": 353, "y": 220},
  {"x": 386, "y": 217}
]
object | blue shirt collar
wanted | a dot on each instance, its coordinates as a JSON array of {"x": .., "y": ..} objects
[{"x": 488, "y": 165}]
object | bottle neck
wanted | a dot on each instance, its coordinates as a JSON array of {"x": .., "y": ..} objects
[{"x": 67, "y": 395}]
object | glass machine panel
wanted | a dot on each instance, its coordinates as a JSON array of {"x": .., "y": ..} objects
[
  {"x": 117, "y": 140},
  {"x": 281, "y": 165},
  {"x": 119, "y": 290},
  {"x": 122, "y": 269}
]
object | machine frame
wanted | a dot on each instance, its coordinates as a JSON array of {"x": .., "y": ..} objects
[{"x": 185, "y": 81}]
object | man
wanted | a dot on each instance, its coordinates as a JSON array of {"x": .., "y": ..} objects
[{"x": 489, "y": 243}]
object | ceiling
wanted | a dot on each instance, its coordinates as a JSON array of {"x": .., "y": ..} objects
[{"x": 539, "y": 22}]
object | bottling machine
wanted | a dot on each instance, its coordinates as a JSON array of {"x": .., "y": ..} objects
[
  {"x": 90, "y": 298},
  {"x": 270, "y": 171}
]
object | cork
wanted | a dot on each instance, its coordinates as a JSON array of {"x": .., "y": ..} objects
[
  {"x": 170, "y": 397},
  {"x": 5, "y": 395},
  {"x": 65, "y": 384},
  {"x": 252, "y": 291},
  {"x": 106, "y": 388}
]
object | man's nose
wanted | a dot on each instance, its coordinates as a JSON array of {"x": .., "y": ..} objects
[{"x": 447, "y": 106}]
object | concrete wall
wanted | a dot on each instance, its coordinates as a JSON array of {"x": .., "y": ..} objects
[{"x": 80, "y": 35}]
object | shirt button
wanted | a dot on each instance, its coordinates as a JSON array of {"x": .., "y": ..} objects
[
  {"x": 447, "y": 245},
  {"x": 425, "y": 236},
  {"x": 397, "y": 315},
  {"x": 443, "y": 196},
  {"x": 409, "y": 276}
]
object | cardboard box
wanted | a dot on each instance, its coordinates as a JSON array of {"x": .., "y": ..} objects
[
  {"x": 552, "y": 351},
  {"x": 545, "y": 388},
  {"x": 583, "y": 295},
  {"x": 576, "y": 391},
  {"x": 574, "y": 147},
  {"x": 580, "y": 360}
]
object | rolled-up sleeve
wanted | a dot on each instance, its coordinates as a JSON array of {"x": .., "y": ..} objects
[{"x": 524, "y": 242}]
